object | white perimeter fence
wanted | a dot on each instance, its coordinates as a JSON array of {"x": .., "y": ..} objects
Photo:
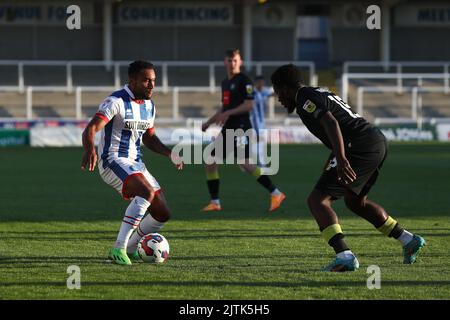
[
  {"x": 416, "y": 98},
  {"x": 69, "y": 86},
  {"x": 116, "y": 65},
  {"x": 175, "y": 91},
  {"x": 400, "y": 66},
  {"x": 347, "y": 77}
]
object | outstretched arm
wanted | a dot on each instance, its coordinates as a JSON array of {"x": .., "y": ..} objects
[
  {"x": 151, "y": 141},
  {"x": 244, "y": 107},
  {"x": 211, "y": 120},
  {"x": 90, "y": 156},
  {"x": 344, "y": 170}
]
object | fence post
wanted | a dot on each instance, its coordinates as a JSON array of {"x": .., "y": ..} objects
[
  {"x": 344, "y": 88},
  {"x": 399, "y": 79},
  {"x": 419, "y": 111},
  {"x": 117, "y": 75},
  {"x": 345, "y": 68},
  {"x": 69, "y": 81},
  {"x": 108, "y": 65},
  {"x": 21, "y": 77},
  {"x": 258, "y": 68},
  {"x": 446, "y": 84},
  {"x": 29, "y": 106},
  {"x": 386, "y": 65},
  {"x": 313, "y": 76},
  {"x": 271, "y": 107},
  {"x": 165, "y": 80},
  {"x": 414, "y": 103},
  {"x": 359, "y": 99},
  {"x": 212, "y": 78},
  {"x": 78, "y": 103},
  {"x": 175, "y": 100},
  {"x": 315, "y": 80}
]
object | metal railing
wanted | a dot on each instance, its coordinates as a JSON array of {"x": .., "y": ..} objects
[
  {"x": 399, "y": 65},
  {"x": 116, "y": 65},
  {"x": 416, "y": 98},
  {"x": 78, "y": 90},
  {"x": 346, "y": 77}
]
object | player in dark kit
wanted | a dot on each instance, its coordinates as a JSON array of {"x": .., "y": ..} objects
[
  {"x": 358, "y": 152},
  {"x": 237, "y": 101}
]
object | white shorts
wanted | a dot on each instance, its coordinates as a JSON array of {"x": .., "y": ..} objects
[{"x": 121, "y": 169}]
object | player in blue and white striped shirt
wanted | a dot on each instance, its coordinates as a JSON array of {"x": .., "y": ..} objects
[
  {"x": 125, "y": 119},
  {"x": 257, "y": 115}
]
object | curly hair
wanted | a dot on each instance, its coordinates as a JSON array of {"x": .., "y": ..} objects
[{"x": 287, "y": 75}]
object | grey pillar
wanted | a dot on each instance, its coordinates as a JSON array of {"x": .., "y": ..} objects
[
  {"x": 107, "y": 33},
  {"x": 385, "y": 36},
  {"x": 247, "y": 35}
]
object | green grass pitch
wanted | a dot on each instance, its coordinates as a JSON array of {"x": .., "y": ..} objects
[{"x": 53, "y": 215}]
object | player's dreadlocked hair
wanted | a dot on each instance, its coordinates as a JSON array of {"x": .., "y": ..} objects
[
  {"x": 287, "y": 75},
  {"x": 135, "y": 67}
]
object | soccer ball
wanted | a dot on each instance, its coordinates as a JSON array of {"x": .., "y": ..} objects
[{"x": 153, "y": 248}]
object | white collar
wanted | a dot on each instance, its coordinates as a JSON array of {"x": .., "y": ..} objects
[{"x": 127, "y": 89}]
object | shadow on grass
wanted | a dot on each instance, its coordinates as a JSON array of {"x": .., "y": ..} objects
[
  {"x": 58, "y": 232},
  {"x": 271, "y": 228},
  {"x": 301, "y": 256},
  {"x": 31, "y": 261},
  {"x": 190, "y": 215},
  {"x": 212, "y": 236},
  {"x": 196, "y": 284}
]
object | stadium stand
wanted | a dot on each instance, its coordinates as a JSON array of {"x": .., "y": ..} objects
[
  {"x": 401, "y": 75},
  {"x": 198, "y": 93},
  {"x": 28, "y": 88}
]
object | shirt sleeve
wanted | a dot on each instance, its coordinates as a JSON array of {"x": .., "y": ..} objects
[
  {"x": 151, "y": 129},
  {"x": 248, "y": 89},
  {"x": 312, "y": 103},
  {"x": 108, "y": 109},
  {"x": 267, "y": 92}
]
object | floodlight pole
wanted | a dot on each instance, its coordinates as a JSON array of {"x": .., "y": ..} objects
[
  {"x": 385, "y": 40},
  {"x": 247, "y": 35},
  {"x": 107, "y": 34}
]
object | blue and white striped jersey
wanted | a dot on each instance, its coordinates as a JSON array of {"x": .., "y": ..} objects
[
  {"x": 128, "y": 119},
  {"x": 257, "y": 114}
]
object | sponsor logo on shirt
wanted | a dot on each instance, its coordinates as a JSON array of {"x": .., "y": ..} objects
[
  {"x": 128, "y": 113},
  {"x": 226, "y": 97},
  {"x": 324, "y": 89},
  {"x": 331, "y": 164},
  {"x": 309, "y": 106},
  {"x": 105, "y": 104},
  {"x": 249, "y": 89},
  {"x": 137, "y": 125}
]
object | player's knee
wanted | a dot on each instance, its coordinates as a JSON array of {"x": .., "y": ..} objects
[
  {"x": 147, "y": 193},
  {"x": 354, "y": 203},
  {"x": 316, "y": 199},
  {"x": 163, "y": 215}
]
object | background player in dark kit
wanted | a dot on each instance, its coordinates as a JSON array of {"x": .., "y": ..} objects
[{"x": 237, "y": 101}]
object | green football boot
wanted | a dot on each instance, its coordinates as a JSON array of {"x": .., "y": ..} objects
[
  {"x": 412, "y": 249},
  {"x": 119, "y": 256},
  {"x": 134, "y": 257},
  {"x": 341, "y": 265}
]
